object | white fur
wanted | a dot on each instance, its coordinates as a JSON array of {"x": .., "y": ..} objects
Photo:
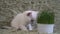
[
  {"x": 21, "y": 20},
  {"x": 34, "y": 14}
]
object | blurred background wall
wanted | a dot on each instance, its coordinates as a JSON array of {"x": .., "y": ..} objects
[{"x": 9, "y": 8}]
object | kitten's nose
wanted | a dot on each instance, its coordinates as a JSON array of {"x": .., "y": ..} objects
[{"x": 32, "y": 20}]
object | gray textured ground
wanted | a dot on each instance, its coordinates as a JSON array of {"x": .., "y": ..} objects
[{"x": 9, "y": 8}]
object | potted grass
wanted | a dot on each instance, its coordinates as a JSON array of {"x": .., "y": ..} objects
[{"x": 45, "y": 21}]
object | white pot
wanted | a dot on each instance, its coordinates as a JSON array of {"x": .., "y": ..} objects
[{"x": 45, "y": 28}]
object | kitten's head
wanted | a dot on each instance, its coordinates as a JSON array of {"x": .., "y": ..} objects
[{"x": 32, "y": 14}]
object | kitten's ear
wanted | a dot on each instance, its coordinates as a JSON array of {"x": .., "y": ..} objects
[{"x": 28, "y": 14}]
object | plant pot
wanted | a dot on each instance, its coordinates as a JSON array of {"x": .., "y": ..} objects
[{"x": 45, "y": 28}]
